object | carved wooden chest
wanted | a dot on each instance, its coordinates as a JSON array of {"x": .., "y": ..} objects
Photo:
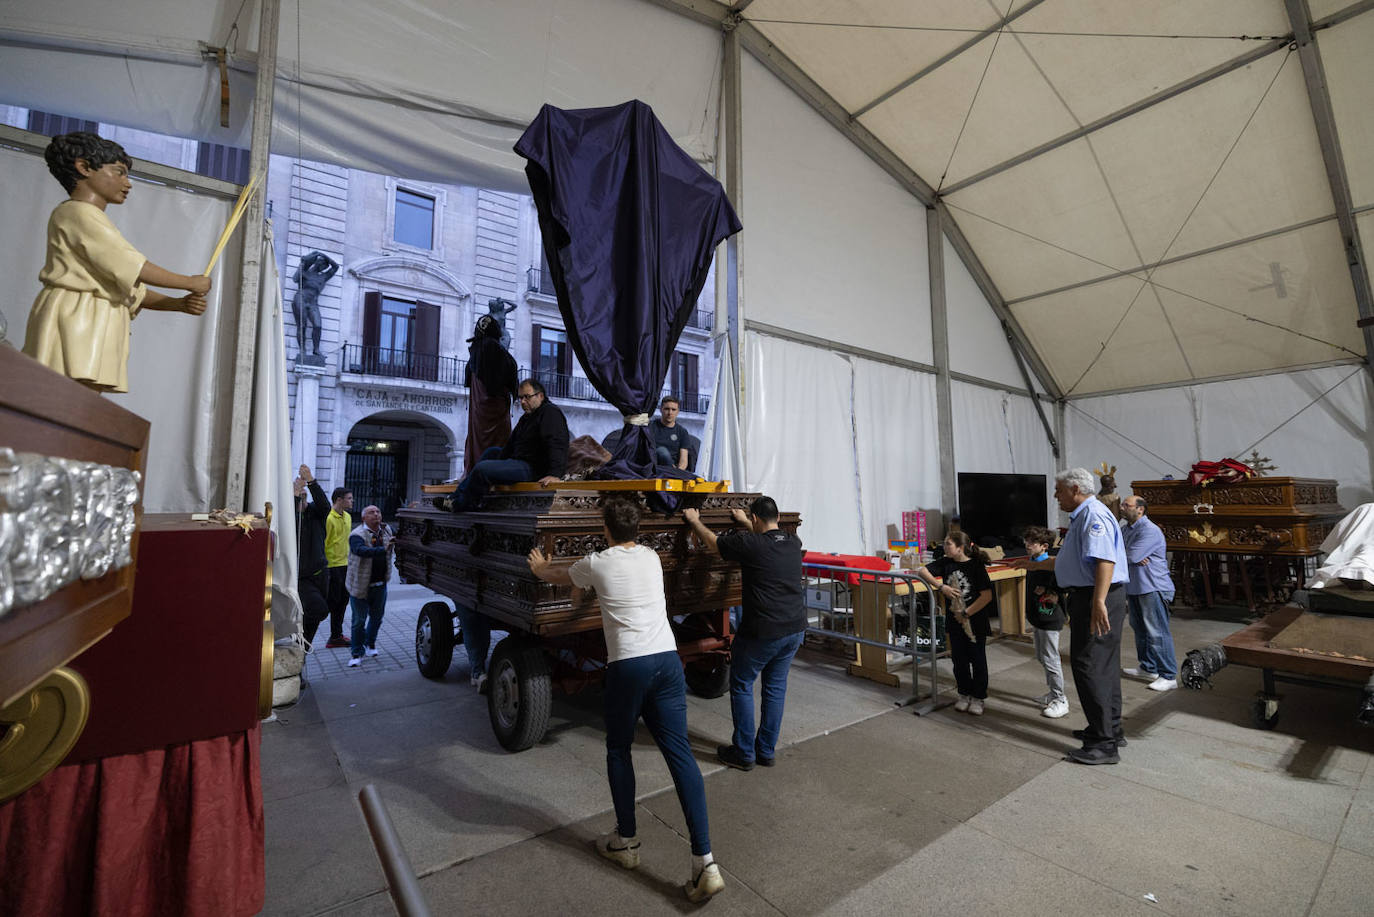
[{"x": 1278, "y": 515}]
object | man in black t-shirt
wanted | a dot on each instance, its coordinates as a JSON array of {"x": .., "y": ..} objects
[{"x": 770, "y": 630}]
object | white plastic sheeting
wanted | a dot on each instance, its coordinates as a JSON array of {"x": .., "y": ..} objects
[
  {"x": 1284, "y": 416},
  {"x": 178, "y": 365},
  {"x": 832, "y": 247},
  {"x": 977, "y": 345},
  {"x": 721, "y": 457},
  {"x": 999, "y": 432},
  {"x": 269, "y": 447},
  {"x": 430, "y": 90},
  {"x": 847, "y": 442}
]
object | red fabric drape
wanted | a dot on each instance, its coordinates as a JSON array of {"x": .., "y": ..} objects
[{"x": 174, "y": 831}]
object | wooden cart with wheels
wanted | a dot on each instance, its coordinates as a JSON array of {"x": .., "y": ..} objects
[{"x": 478, "y": 559}]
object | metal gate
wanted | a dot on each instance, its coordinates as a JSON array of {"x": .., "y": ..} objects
[{"x": 375, "y": 470}]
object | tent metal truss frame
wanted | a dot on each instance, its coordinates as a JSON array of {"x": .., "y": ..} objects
[
  {"x": 1299, "y": 16},
  {"x": 730, "y": 20}
]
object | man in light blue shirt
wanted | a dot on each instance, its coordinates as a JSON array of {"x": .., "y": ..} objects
[
  {"x": 1149, "y": 593},
  {"x": 1091, "y": 569}
]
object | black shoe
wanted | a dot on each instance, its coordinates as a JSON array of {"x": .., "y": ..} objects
[
  {"x": 1120, "y": 737},
  {"x": 765, "y": 762},
  {"x": 732, "y": 756},
  {"x": 1094, "y": 755}
]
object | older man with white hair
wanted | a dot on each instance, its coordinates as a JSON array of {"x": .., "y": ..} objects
[{"x": 1091, "y": 569}]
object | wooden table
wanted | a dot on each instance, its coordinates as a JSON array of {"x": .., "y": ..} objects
[{"x": 873, "y": 616}]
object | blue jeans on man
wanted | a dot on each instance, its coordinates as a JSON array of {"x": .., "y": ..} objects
[
  {"x": 490, "y": 469},
  {"x": 652, "y": 687},
  {"x": 768, "y": 661},
  {"x": 367, "y": 618},
  {"x": 476, "y": 637},
  {"x": 1154, "y": 644}
]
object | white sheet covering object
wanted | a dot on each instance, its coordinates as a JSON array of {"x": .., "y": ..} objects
[{"x": 1349, "y": 552}]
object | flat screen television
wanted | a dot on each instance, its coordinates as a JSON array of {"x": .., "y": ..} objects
[{"x": 1000, "y": 506}]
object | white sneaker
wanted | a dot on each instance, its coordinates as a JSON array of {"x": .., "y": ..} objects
[
  {"x": 354, "y": 660},
  {"x": 975, "y": 706},
  {"x": 1140, "y": 673},
  {"x": 612, "y": 847},
  {"x": 1056, "y": 708},
  {"x": 1163, "y": 684},
  {"x": 961, "y": 705},
  {"x": 371, "y": 651},
  {"x": 705, "y": 884}
]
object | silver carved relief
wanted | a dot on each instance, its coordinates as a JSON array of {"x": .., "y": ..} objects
[{"x": 60, "y": 521}]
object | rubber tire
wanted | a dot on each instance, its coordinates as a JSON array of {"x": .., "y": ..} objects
[
  {"x": 519, "y": 694},
  {"x": 708, "y": 677},
  {"x": 434, "y": 639},
  {"x": 1257, "y": 717}
]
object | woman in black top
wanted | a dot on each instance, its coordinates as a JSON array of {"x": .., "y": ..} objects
[{"x": 964, "y": 571}]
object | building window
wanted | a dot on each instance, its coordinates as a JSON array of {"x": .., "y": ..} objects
[
  {"x": 414, "y": 225},
  {"x": 50, "y": 125},
  {"x": 401, "y": 338},
  {"x": 227, "y": 163},
  {"x": 682, "y": 381},
  {"x": 552, "y": 359}
]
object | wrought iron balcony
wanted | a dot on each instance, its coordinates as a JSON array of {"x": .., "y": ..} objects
[{"x": 402, "y": 364}]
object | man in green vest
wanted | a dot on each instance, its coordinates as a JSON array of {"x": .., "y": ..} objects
[{"x": 336, "y": 529}]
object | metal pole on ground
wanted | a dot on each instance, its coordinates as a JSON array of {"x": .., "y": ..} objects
[{"x": 400, "y": 875}]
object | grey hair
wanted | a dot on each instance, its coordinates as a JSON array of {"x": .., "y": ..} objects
[{"x": 1081, "y": 478}]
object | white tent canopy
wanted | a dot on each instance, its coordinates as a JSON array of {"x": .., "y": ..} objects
[{"x": 1160, "y": 202}]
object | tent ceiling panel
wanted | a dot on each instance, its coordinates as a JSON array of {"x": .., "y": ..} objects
[
  {"x": 865, "y": 49},
  {"x": 832, "y": 246},
  {"x": 1287, "y": 298},
  {"x": 1199, "y": 189},
  {"x": 1349, "y": 65},
  {"x": 1285, "y": 301},
  {"x": 977, "y": 345},
  {"x": 1075, "y": 330},
  {"x": 1014, "y": 108},
  {"x": 1049, "y": 222}
]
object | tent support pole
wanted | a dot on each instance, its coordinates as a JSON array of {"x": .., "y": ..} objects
[
  {"x": 241, "y": 412},
  {"x": 939, "y": 344},
  {"x": 1325, "y": 118},
  {"x": 732, "y": 110}
]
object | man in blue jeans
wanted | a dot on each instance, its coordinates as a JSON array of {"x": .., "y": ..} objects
[
  {"x": 369, "y": 567},
  {"x": 770, "y": 631},
  {"x": 643, "y": 678},
  {"x": 536, "y": 451},
  {"x": 1149, "y": 594}
]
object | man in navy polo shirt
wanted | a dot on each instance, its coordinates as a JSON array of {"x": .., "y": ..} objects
[{"x": 1091, "y": 569}]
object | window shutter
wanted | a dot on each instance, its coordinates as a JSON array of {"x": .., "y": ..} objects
[
  {"x": 426, "y": 345},
  {"x": 372, "y": 319},
  {"x": 536, "y": 336},
  {"x": 689, "y": 384},
  {"x": 565, "y": 359}
]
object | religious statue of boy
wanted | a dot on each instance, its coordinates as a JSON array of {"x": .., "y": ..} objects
[
  {"x": 94, "y": 281},
  {"x": 310, "y": 278}
]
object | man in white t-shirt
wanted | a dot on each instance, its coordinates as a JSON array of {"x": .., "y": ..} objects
[{"x": 643, "y": 678}]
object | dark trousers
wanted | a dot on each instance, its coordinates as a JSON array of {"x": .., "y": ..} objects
[
  {"x": 338, "y": 600},
  {"x": 1096, "y": 663},
  {"x": 653, "y": 687},
  {"x": 314, "y": 606},
  {"x": 970, "y": 658}
]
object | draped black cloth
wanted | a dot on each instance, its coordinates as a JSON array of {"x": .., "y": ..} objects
[{"x": 630, "y": 223}]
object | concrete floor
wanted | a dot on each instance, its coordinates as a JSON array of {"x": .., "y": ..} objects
[{"x": 870, "y": 809}]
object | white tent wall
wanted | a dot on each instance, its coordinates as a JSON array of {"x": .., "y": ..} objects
[
  {"x": 798, "y": 434},
  {"x": 977, "y": 346},
  {"x": 998, "y": 432},
  {"x": 1151, "y": 434},
  {"x": 832, "y": 246},
  {"x": 178, "y": 365}
]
